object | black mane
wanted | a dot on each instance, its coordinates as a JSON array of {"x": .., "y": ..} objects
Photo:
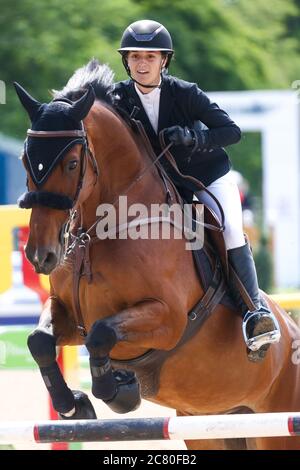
[{"x": 100, "y": 76}]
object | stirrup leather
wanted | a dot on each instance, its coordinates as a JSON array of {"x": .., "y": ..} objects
[{"x": 256, "y": 342}]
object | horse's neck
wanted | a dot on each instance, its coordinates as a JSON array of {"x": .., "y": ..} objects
[{"x": 120, "y": 160}]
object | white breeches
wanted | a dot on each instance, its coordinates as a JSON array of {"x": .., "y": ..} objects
[{"x": 226, "y": 191}]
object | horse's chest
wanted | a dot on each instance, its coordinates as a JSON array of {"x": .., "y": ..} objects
[{"x": 94, "y": 297}]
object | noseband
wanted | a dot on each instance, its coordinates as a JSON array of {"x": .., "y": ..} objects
[{"x": 56, "y": 200}]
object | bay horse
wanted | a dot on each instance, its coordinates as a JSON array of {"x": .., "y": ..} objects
[{"x": 126, "y": 299}]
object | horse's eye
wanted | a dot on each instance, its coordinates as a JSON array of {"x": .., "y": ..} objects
[{"x": 72, "y": 165}]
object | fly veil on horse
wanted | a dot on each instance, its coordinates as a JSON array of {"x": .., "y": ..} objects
[{"x": 131, "y": 296}]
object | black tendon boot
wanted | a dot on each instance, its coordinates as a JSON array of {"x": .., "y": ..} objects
[{"x": 260, "y": 326}]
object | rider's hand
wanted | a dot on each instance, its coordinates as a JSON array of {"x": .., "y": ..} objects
[{"x": 180, "y": 136}]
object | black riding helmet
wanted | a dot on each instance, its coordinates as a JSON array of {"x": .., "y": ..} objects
[{"x": 146, "y": 35}]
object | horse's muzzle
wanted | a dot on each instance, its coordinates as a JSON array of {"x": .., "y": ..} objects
[{"x": 43, "y": 259}]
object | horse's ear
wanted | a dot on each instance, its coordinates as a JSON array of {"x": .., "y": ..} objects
[
  {"x": 81, "y": 107},
  {"x": 30, "y": 104}
]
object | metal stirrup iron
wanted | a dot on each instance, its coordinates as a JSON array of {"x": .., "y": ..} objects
[{"x": 270, "y": 337}]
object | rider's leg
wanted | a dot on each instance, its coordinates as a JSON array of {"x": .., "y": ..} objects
[{"x": 259, "y": 319}]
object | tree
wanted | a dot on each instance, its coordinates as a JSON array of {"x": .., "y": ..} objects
[
  {"x": 42, "y": 43},
  {"x": 229, "y": 44}
]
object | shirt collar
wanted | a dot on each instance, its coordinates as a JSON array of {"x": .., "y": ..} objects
[{"x": 152, "y": 94}]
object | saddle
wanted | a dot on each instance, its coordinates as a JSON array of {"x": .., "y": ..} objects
[{"x": 214, "y": 243}]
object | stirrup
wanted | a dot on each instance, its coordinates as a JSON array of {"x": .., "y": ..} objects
[{"x": 269, "y": 337}]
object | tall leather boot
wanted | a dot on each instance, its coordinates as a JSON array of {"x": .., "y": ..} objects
[{"x": 260, "y": 326}]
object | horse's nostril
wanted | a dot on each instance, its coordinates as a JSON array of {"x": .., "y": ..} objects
[
  {"x": 45, "y": 260},
  {"x": 50, "y": 259}
]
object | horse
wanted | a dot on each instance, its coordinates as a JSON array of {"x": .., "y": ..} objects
[{"x": 127, "y": 298}]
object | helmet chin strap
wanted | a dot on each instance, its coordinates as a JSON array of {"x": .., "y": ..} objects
[{"x": 144, "y": 86}]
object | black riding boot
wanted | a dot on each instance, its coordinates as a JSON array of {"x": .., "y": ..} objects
[{"x": 260, "y": 326}]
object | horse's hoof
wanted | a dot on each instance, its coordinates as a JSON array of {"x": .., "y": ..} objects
[
  {"x": 128, "y": 395},
  {"x": 83, "y": 407}
]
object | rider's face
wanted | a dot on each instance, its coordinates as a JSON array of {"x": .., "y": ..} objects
[{"x": 145, "y": 67}]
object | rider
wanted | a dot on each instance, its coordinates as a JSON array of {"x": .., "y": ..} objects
[{"x": 199, "y": 130}]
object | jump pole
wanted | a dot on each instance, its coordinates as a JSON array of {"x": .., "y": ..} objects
[{"x": 181, "y": 427}]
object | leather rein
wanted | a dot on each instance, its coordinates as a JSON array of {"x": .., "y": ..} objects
[{"x": 79, "y": 245}]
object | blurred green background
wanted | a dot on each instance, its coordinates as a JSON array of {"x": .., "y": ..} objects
[{"x": 220, "y": 44}]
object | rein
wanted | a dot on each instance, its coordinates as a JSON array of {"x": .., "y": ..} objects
[
  {"x": 128, "y": 189},
  {"x": 195, "y": 182},
  {"x": 80, "y": 246},
  {"x": 166, "y": 152}
]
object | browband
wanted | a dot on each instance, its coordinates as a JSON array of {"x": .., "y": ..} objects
[{"x": 74, "y": 133}]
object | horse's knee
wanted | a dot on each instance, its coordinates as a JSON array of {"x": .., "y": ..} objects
[
  {"x": 42, "y": 346},
  {"x": 101, "y": 339}
]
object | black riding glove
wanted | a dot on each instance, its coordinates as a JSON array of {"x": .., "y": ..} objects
[{"x": 180, "y": 136}]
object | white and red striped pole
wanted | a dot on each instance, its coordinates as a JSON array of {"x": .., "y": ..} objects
[{"x": 181, "y": 427}]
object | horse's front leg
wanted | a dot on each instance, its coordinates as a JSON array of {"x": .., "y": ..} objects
[
  {"x": 42, "y": 345},
  {"x": 145, "y": 325}
]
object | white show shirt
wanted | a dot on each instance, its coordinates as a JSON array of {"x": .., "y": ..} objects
[{"x": 150, "y": 102}]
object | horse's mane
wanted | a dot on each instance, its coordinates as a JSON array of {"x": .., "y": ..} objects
[{"x": 100, "y": 76}]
